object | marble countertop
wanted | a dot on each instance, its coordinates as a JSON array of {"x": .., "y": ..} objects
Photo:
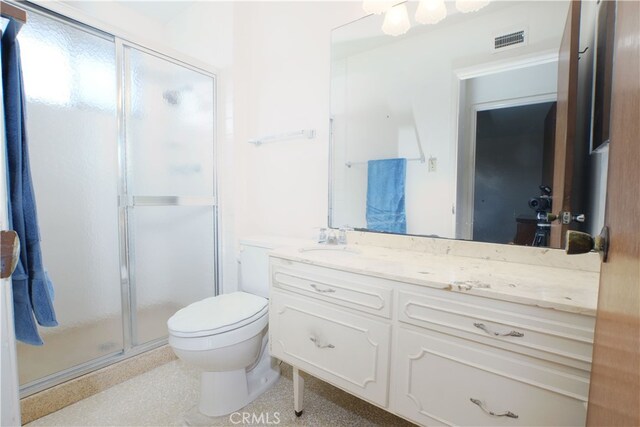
[{"x": 563, "y": 289}]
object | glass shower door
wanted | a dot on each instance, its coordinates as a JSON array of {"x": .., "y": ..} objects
[
  {"x": 121, "y": 143},
  {"x": 70, "y": 87},
  {"x": 169, "y": 192}
]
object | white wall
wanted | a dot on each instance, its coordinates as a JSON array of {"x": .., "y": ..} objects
[
  {"x": 281, "y": 83},
  {"x": 112, "y": 14},
  {"x": 536, "y": 80},
  {"x": 203, "y": 31}
]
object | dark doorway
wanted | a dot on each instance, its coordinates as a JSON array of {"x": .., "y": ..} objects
[{"x": 513, "y": 157}]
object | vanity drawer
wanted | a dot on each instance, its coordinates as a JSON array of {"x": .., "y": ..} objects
[
  {"x": 560, "y": 337},
  {"x": 439, "y": 375},
  {"x": 349, "y": 351},
  {"x": 367, "y": 294}
]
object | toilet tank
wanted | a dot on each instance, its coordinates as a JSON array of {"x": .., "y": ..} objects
[{"x": 254, "y": 261}]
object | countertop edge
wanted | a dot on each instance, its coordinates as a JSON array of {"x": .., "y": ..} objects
[{"x": 462, "y": 289}]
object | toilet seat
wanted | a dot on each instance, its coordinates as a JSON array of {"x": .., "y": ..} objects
[
  {"x": 217, "y": 315},
  {"x": 239, "y": 316}
]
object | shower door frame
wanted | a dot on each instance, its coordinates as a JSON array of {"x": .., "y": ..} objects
[
  {"x": 127, "y": 202},
  {"x": 74, "y": 17}
]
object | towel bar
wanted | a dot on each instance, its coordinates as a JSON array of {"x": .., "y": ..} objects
[
  {"x": 306, "y": 133},
  {"x": 421, "y": 159}
]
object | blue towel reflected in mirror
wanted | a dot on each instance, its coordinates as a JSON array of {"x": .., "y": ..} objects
[{"x": 385, "y": 195}]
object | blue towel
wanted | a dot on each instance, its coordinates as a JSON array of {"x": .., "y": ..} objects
[
  {"x": 32, "y": 288},
  {"x": 385, "y": 195}
]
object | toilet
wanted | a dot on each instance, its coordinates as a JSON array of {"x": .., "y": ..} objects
[{"x": 226, "y": 337}]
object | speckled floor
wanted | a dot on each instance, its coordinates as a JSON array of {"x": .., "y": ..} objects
[{"x": 163, "y": 396}]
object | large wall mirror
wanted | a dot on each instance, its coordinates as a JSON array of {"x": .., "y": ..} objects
[{"x": 449, "y": 130}]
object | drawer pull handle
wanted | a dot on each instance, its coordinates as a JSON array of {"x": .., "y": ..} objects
[
  {"x": 323, "y": 291},
  {"x": 315, "y": 341},
  {"x": 498, "y": 334},
  {"x": 495, "y": 414}
]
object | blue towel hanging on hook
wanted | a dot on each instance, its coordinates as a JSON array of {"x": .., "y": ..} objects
[{"x": 32, "y": 288}]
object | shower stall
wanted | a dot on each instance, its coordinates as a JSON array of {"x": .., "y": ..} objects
[{"x": 121, "y": 142}]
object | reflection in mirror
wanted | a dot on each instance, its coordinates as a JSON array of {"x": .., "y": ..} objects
[{"x": 449, "y": 129}]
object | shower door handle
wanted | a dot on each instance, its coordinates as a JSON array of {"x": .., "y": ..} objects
[
  {"x": 134, "y": 201},
  {"x": 173, "y": 200}
]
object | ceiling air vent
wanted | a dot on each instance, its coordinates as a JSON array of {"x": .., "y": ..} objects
[{"x": 509, "y": 40}]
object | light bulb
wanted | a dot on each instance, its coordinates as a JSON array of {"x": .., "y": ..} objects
[
  {"x": 396, "y": 21},
  {"x": 466, "y": 6},
  {"x": 431, "y": 11},
  {"x": 377, "y": 7}
]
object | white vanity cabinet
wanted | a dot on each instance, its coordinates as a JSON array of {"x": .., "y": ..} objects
[
  {"x": 443, "y": 380},
  {"x": 318, "y": 322},
  {"x": 430, "y": 355},
  {"x": 494, "y": 362},
  {"x": 349, "y": 351}
]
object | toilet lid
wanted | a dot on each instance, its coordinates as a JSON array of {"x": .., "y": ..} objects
[{"x": 218, "y": 314}]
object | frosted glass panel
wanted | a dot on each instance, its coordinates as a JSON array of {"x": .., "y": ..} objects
[
  {"x": 174, "y": 247},
  {"x": 169, "y": 127},
  {"x": 69, "y": 78},
  {"x": 169, "y": 140}
]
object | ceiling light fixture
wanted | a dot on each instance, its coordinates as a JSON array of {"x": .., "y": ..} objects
[
  {"x": 396, "y": 20},
  {"x": 431, "y": 11}
]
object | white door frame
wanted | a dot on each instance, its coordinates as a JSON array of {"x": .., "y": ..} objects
[
  {"x": 463, "y": 150},
  {"x": 9, "y": 400}
]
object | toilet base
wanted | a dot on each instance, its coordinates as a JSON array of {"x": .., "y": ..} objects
[{"x": 222, "y": 393}]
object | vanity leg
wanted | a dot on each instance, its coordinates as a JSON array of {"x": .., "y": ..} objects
[{"x": 298, "y": 391}]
